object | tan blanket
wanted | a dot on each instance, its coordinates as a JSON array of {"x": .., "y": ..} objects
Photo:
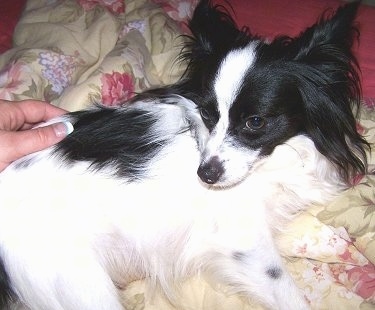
[{"x": 75, "y": 53}]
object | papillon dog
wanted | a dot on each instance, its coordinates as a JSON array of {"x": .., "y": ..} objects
[{"x": 195, "y": 177}]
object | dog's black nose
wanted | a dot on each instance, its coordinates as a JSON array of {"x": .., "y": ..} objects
[{"x": 211, "y": 171}]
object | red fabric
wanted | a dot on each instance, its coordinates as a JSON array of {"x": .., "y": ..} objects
[
  {"x": 10, "y": 12},
  {"x": 274, "y": 17}
]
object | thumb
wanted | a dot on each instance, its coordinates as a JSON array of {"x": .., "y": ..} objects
[{"x": 39, "y": 138}]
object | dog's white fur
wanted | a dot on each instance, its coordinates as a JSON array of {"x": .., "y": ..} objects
[{"x": 70, "y": 237}]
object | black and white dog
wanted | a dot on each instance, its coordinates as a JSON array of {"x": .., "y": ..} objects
[{"x": 268, "y": 126}]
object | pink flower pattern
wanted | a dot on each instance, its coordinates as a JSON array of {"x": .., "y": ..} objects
[
  {"x": 116, "y": 88},
  {"x": 178, "y": 10},
  {"x": 359, "y": 279},
  {"x": 10, "y": 79},
  {"x": 363, "y": 279},
  {"x": 114, "y": 6}
]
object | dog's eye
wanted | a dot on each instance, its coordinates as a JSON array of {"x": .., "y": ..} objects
[
  {"x": 205, "y": 114},
  {"x": 209, "y": 117},
  {"x": 255, "y": 122}
]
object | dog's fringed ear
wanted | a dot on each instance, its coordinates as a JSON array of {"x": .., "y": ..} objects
[
  {"x": 327, "y": 75},
  {"x": 213, "y": 31},
  {"x": 212, "y": 27},
  {"x": 336, "y": 29}
]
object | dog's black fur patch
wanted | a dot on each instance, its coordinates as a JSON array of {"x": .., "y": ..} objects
[
  {"x": 6, "y": 293},
  {"x": 123, "y": 138},
  {"x": 274, "y": 272}
]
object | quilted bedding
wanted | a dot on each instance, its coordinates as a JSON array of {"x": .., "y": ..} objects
[{"x": 77, "y": 52}]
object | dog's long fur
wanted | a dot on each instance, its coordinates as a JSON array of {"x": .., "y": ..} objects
[{"x": 269, "y": 129}]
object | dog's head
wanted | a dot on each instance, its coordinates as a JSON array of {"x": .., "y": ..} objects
[{"x": 254, "y": 95}]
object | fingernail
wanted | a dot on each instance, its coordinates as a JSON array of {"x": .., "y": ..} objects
[{"x": 63, "y": 129}]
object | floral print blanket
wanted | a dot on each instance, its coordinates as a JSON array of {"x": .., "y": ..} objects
[{"x": 74, "y": 53}]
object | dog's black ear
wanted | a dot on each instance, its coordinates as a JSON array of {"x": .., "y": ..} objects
[
  {"x": 333, "y": 30},
  {"x": 213, "y": 31},
  {"x": 213, "y": 34},
  {"x": 212, "y": 27},
  {"x": 328, "y": 80}
]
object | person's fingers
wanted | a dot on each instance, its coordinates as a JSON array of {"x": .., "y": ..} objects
[
  {"x": 25, "y": 114},
  {"x": 38, "y": 111},
  {"x": 29, "y": 141},
  {"x": 42, "y": 137}
]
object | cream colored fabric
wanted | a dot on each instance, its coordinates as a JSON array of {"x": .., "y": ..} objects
[{"x": 73, "y": 56}]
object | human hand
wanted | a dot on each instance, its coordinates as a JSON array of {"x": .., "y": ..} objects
[{"x": 17, "y": 135}]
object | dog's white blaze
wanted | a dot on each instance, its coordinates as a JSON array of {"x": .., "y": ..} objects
[
  {"x": 231, "y": 73},
  {"x": 227, "y": 84}
]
